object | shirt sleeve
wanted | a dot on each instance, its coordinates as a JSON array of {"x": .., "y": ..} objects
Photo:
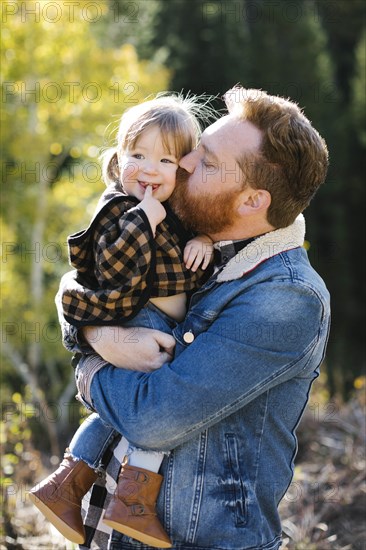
[
  {"x": 112, "y": 286},
  {"x": 71, "y": 336},
  {"x": 123, "y": 251}
]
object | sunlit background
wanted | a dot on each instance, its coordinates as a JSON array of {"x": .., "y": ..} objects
[{"x": 69, "y": 70}]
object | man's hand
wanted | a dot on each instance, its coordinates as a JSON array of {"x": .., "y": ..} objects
[{"x": 139, "y": 349}]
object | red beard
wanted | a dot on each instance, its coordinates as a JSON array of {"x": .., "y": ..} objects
[{"x": 204, "y": 213}]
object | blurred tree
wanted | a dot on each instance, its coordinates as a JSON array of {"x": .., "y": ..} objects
[
  {"x": 65, "y": 79},
  {"x": 344, "y": 22},
  {"x": 60, "y": 90},
  {"x": 339, "y": 237},
  {"x": 348, "y": 352},
  {"x": 204, "y": 44},
  {"x": 128, "y": 22},
  {"x": 307, "y": 50},
  {"x": 304, "y": 49}
]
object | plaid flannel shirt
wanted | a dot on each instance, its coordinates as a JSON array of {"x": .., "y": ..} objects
[{"x": 120, "y": 265}]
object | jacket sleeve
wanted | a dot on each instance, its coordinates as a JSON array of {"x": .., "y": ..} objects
[{"x": 242, "y": 354}]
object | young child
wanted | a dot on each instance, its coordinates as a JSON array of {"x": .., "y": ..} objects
[{"x": 134, "y": 265}]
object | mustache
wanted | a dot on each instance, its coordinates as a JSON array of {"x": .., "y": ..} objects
[
  {"x": 179, "y": 195},
  {"x": 181, "y": 176}
]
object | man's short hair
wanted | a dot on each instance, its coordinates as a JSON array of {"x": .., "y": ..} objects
[{"x": 293, "y": 158}]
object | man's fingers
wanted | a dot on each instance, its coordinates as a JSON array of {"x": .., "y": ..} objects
[
  {"x": 165, "y": 341},
  {"x": 165, "y": 358}
]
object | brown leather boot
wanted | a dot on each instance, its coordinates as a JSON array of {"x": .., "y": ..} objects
[
  {"x": 59, "y": 497},
  {"x": 132, "y": 509}
]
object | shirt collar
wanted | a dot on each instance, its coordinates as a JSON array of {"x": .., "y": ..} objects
[{"x": 225, "y": 250}]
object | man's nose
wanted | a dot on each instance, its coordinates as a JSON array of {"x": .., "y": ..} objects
[{"x": 189, "y": 162}]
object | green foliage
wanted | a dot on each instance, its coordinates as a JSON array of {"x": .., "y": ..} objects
[
  {"x": 61, "y": 90},
  {"x": 19, "y": 462},
  {"x": 66, "y": 81}
]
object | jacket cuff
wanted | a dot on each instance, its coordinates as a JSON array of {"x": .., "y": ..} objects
[
  {"x": 143, "y": 215},
  {"x": 85, "y": 371},
  {"x": 73, "y": 339}
]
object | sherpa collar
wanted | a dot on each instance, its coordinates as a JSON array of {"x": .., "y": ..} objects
[{"x": 263, "y": 248}]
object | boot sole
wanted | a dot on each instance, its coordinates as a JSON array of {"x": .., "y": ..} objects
[
  {"x": 60, "y": 525},
  {"x": 141, "y": 537}
]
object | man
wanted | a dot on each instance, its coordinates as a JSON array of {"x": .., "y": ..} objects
[{"x": 227, "y": 406}]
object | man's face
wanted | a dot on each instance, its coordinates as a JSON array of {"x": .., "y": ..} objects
[{"x": 208, "y": 188}]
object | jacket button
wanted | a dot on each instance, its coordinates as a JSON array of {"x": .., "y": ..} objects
[{"x": 188, "y": 337}]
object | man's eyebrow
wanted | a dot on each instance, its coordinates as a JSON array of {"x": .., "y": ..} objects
[{"x": 209, "y": 152}]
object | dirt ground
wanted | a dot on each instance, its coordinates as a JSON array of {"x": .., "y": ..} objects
[{"x": 324, "y": 508}]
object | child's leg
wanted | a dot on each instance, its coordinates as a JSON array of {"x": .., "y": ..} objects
[
  {"x": 91, "y": 440},
  {"x": 132, "y": 511},
  {"x": 149, "y": 317},
  {"x": 81, "y": 461},
  {"x": 59, "y": 496},
  {"x": 145, "y": 459}
]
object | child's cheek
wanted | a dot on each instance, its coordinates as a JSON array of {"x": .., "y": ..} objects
[{"x": 129, "y": 171}]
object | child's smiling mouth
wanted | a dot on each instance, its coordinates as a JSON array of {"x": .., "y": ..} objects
[{"x": 145, "y": 184}]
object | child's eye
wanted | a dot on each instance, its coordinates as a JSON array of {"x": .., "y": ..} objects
[
  {"x": 169, "y": 161},
  {"x": 138, "y": 156}
]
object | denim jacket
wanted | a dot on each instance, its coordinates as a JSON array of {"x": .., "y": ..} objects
[{"x": 228, "y": 405}]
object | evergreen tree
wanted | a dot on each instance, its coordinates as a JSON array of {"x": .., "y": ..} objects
[
  {"x": 304, "y": 49},
  {"x": 204, "y": 44},
  {"x": 344, "y": 22}
]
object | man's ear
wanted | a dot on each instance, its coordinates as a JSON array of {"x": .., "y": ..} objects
[{"x": 254, "y": 201}]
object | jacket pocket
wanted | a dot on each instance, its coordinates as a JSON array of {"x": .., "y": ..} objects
[{"x": 235, "y": 487}]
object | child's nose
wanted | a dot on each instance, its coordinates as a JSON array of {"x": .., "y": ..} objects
[{"x": 150, "y": 167}]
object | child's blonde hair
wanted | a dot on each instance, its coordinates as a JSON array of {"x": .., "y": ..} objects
[{"x": 177, "y": 118}]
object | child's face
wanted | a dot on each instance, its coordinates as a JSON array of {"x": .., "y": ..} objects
[{"x": 148, "y": 163}]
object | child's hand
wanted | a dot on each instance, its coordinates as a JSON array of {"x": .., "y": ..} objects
[
  {"x": 198, "y": 251},
  {"x": 153, "y": 209}
]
